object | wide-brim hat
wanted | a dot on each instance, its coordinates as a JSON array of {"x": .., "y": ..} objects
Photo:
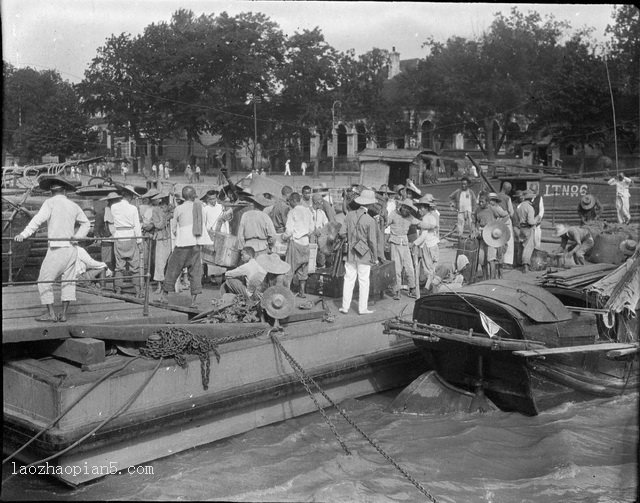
[
  {"x": 560, "y": 230},
  {"x": 273, "y": 264},
  {"x": 278, "y": 302},
  {"x": 528, "y": 194},
  {"x": 47, "y": 182},
  {"x": 211, "y": 192},
  {"x": 409, "y": 204},
  {"x": 160, "y": 195},
  {"x": 587, "y": 202},
  {"x": 367, "y": 196},
  {"x": 496, "y": 234},
  {"x": 427, "y": 199},
  {"x": 398, "y": 188},
  {"x": 258, "y": 199},
  {"x": 413, "y": 188},
  {"x": 628, "y": 246},
  {"x": 150, "y": 194},
  {"x": 386, "y": 191},
  {"x": 134, "y": 191},
  {"x": 111, "y": 197},
  {"x": 493, "y": 196}
]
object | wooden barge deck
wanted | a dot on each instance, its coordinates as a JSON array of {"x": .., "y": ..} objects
[{"x": 252, "y": 385}]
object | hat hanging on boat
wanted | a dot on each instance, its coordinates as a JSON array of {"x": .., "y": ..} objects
[
  {"x": 273, "y": 264},
  {"x": 496, "y": 234},
  {"x": 112, "y": 196},
  {"x": 278, "y": 302},
  {"x": 367, "y": 196},
  {"x": 150, "y": 193},
  {"x": 427, "y": 199},
  {"x": 587, "y": 202},
  {"x": 628, "y": 246},
  {"x": 55, "y": 182},
  {"x": 560, "y": 230}
]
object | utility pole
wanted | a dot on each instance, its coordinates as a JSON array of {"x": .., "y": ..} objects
[
  {"x": 255, "y": 135},
  {"x": 333, "y": 143}
]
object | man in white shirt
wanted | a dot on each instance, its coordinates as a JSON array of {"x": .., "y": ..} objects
[
  {"x": 61, "y": 216},
  {"x": 245, "y": 279},
  {"x": 297, "y": 231},
  {"x": 287, "y": 168},
  {"x": 463, "y": 200},
  {"x": 427, "y": 242},
  {"x": 622, "y": 184},
  {"x": 188, "y": 228},
  {"x": 128, "y": 252}
]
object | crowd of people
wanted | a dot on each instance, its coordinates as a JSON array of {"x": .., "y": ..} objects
[{"x": 279, "y": 237}]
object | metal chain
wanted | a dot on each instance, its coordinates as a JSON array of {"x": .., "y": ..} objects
[
  {"x": 307, "y": 378},
  {"x": 176, "y": 342}
]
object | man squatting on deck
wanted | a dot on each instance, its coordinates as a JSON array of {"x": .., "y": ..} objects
[{"x": 61, "y": 216}]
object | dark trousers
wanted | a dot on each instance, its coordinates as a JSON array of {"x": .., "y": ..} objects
[{"x": 181, "y": 257}]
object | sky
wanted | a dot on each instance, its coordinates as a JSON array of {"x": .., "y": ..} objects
[{"x": 65, "y": 34}]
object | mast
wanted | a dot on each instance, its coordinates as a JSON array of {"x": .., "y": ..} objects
[{"x": 613, "y": 109}]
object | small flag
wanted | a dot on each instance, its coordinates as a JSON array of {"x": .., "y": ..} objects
[{"x": 490, "y": 326}]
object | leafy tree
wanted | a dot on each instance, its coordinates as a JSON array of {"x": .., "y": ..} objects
[{"x": 42, "y": 115}]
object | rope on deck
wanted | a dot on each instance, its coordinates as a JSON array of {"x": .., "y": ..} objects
[{"x": 305, "y": 379}]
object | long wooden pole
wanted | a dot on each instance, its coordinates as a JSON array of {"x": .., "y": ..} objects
[{"x": 613, "y": 110}]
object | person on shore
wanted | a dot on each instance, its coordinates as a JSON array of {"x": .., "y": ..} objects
[
  {"x": 303, "y": 168},
  {"x": 359, "y": 229},
  {"x": 256, "y": 227},
  {"x": 154, "y": 170},
  {"x": 575, "y": 241},
  {"x": 188, "y": 229},
  {"x": 622, "y": 184},
  {"x": 507, "y": 205},
  {"x": 245, "y": 279},
  {"x": 287, "y": 167},
  {"x": 128, "y": 252},
  {"x": 299, "y": 228},
  {"x": 124, "y": 170},
  {"x": 525, "y": 216},
  {"x": 399, "y": 222},
  {"x": 463, "y": 201},
  {"x": 426, "y": 245},
  {"x": 589, "y": 209},
  {"x": 167, "y": 170},
  {"x": 197, "y": 173},
  {"x": 188, "y": 173},
  {"x": 61, "y": 215}
]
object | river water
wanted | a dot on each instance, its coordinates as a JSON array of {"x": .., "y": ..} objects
[{"x": 579, "y": 452}]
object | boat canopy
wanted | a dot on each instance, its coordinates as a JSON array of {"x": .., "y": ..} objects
[{"x": 533, "y": 301}]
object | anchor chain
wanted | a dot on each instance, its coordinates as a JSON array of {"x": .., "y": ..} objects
[
  {"x": 305, "y": 379},
  {"x": 176, "y": 342}
]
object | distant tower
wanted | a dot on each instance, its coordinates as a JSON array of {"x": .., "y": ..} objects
[{"x": 394, "y": 63}]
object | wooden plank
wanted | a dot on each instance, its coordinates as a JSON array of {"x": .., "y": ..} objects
[
  {"x": 587, "y": 348},
  {"x": 141, "y": 332},
  {"x": 86, "y": 351},
  {"x": 74, "y": 309}
]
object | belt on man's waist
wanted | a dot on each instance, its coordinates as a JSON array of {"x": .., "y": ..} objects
[
  {"x": 124, "y": 228},
  {"x": 525, "y": 226},
  {"x": 261, "y": 239}
]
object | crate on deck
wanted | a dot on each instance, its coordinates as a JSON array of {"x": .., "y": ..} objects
[{"x": 383, "y": 277}]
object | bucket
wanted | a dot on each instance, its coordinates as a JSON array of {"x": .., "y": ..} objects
[
  {"x": 280, "y": 246},
  {"x": 226, "y": 253},
  {"x": 539, "y": 260}
]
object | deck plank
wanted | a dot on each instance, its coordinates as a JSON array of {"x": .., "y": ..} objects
[{"x": 19, "y": 324}]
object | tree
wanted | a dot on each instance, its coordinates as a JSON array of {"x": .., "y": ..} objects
[{"x": 42, "y": 115}]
